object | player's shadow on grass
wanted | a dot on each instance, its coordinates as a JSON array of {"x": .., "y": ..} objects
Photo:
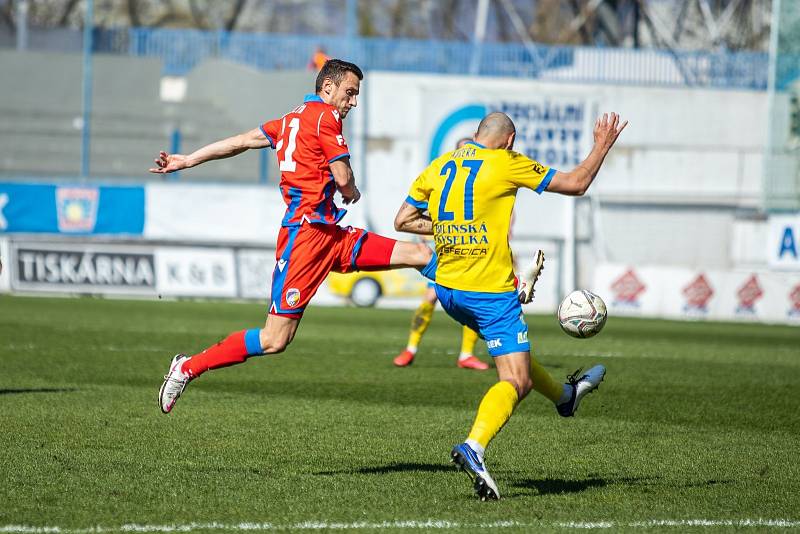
[
  {"x": 18, "y": 391},
  {"x": 392, "y": 468},
  {"x": 549, "y": 486}
]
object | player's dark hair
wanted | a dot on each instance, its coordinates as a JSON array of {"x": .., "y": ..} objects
[{"x": 334, "y": 70}]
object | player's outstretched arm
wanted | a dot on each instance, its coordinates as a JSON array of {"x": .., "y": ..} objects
[
  {"x": 225, "y": 148},
  {"x": 606, "y": 131},
  {"x": 412, "y": 220},
  {"x": 345, "y": 180}
]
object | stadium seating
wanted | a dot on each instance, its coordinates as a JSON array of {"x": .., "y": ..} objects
[{"x": 40, "y": 130}]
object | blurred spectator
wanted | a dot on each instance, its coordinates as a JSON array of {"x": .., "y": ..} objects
[{"x": 318, "y": 59}]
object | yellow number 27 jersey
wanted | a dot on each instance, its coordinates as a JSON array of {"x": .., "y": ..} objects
[{"x": 470, "y": 194}]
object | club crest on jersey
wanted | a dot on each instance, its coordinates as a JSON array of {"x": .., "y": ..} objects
[
  {"x": 335, "y": 114},
  {"x": 292, "y": 296}
]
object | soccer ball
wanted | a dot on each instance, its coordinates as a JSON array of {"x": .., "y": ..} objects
[{"x": 582, "y": 314}]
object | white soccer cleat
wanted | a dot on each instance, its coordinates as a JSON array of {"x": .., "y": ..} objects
[
  {"x": 175, "y": 381},
  {"x": 468, "y": 461},
  {"x": 527, "y": 280},
  {"x": 581, "y": 386}
]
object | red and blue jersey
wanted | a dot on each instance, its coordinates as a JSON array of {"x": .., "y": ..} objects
[{"x": 307, "y": 140}]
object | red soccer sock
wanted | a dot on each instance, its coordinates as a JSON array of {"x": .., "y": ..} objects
[
  {"x": 229, "y": 351},
  {"x": 375, "y": 253}
]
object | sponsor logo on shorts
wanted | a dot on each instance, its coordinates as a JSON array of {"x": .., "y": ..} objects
[
  {"x": 494, "y": 344},
  {"x": 292, "y": 296},
  {"x": 522, "y": 337}
]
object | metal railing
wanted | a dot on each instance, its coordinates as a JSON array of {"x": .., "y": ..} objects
[{"x": 182, "y": 50}]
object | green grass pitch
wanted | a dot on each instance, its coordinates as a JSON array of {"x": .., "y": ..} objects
[{"x": 695, "y": 421}]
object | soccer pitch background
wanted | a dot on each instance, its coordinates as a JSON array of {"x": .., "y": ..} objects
[{"x": 694, "y": 429}]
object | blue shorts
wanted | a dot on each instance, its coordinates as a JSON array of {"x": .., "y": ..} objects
[{"x": 497, "y": 317}]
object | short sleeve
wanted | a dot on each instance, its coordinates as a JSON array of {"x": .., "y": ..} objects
[
  {"x": 272, "y": 130},
  {"x": 329, "y": 131},
  {"x": 526, "y": 172},
  {"x": 421, "y": 189}
]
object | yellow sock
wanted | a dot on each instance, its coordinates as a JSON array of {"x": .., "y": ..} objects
[
  {"x": 419, "y": 323},
  {"x": 494, "y": 411},
  {"x": 468, "y": 339},
  {"x": 544, "y": 383}
]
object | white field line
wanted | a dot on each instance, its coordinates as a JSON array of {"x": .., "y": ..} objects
[
  {"x": 430, "y": 524},
  {"x": 105, "y": 348}
]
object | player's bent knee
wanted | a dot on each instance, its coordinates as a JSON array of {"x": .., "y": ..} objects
[
  {"x": 522, "y": 385},
  {"x": 275, "y": 346},
  {"x": 430, "y": 296},
  {"x": 275, "y": 342},
  {"x": 524, "y": 388}
]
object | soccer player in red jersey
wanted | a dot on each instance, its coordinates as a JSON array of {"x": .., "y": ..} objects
[{"x": 315, "y": 163}]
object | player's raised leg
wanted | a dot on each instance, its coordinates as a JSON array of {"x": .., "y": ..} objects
[
  {"x": 580, "y": 385},
  {"x": 234, "y": 349},
  {"x": 304, "y": 257},
  {"x": 527, "y": 279},
  {"x": 378, "y": 253},
  {"x": 565, "y": 396}
]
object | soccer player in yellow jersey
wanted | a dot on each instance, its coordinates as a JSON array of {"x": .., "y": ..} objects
[
  {"x": 469, "y": 194},
  {"x": 422, "y": 319}
]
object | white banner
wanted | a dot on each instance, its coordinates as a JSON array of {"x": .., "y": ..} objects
[
  {"x": 679, "y": 293},
  {"x": 213, "y": 213},
  {"x": 552, "y": 128},
  {"x": 85, "y": 268},
  {"x": 196, "y": 272},
  {"x": 254, "y": 268},
  {"x": 5, "y": 273},
  {"x": 783, "y": 242}
]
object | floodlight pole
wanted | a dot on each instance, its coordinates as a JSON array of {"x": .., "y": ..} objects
[
  {"x": 478, "y": 37},
  {"x": 769, "y": 152},
  {"x": 351, "y": 28},
  {"x": 86, "y": 100},
  {"x": 22, "y": 25}
]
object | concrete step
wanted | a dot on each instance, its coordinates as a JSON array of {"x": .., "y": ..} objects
[{"x": 62, "y": 160}]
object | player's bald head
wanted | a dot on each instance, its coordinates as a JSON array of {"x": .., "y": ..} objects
[{"x": 496, "y": 130}]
